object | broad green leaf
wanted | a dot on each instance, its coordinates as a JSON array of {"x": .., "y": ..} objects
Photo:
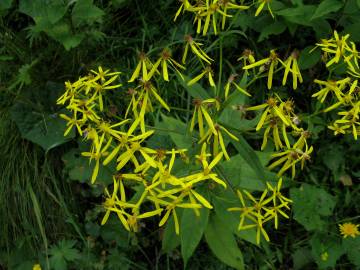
[
  {"x": 79, "y": 168},
  {"x": 326, "y": 7},
  {"x": 177, "y": 130},
  {"x": 299, "y": 15},
  {"x": 301, "y": 258},
  {"x": 326, "y": 250},
  {"x": 223, "y": 244},
  {"x": 322, "y": 28},
  {"x": 358, "y": 3},
  {"x": 5, "y": 4},
  {"x": 44, "y": 10},
  {"x": 170, "y": 239},
  {"x": 333, "y": 157},
  {"x": 232, "y": 116},
  {"x": 46, "y": 130},
  {"x": 192, "y": 229},
  {"x": 275, "y": 28},
  {"x": 309, "y": 59},
  {"x": 62, "y": 33},
  {"x": 231, "y": 219},
  {"x": 310, "y": 205},
  {"x": 56, "y": 10},
  {"x": 62, "y": 253},
  {"x": 242, "y": 175},
  {"x": 113, "y": 230},
  {"x": 353, "y": 30},
  {"x": 195, "y": 90},
  {"x": 250, "y": 157},
  {"x": 352, "y": 248},
  {"x": 85, "y": 11},
  {"x": 34, "y": 9}
]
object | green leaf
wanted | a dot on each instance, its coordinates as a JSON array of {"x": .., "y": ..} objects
[
  {"x": 275, "y": 28},
  {"x": 301, "y": 257},
  {"x": 241, "y": 174},
  {"x": 46, "y": 130},
  {"x": 299, "y": 15},
  {"x": 310, "y": 205},
  {"x": 177, "y": 130},
  {"x": 170, "y": 239},
  {"x": 230, "y": 219},
  {"x": 44, "y": 10},
  {"x": 326, "y": 7},
  {"x": 192, "y": 229},
  {"x": 56, "y": 10},
  {"x": 79, "y": 169},
  {"x": 223, "y": 243},
  {"x": 326, "y": 250},
  {"x": 250, "y": 157},
  {"x": 353, "y": 30},
  {"x": 358, "y": 3},
  {"x": 195, "y": 90},
  {"x": 5, "y": 4},
  {"x": 352, "y": 248},
  {"x": 62, "y": 253},
  {"x": 322, "y": 28},
  {"x": 62, "y": 33},
  {"x": 333, "y": 157},
  {"x": 113, "y": 230},
  {"x": 85, "y": 11},
  {"x": 309, "y": 59}
]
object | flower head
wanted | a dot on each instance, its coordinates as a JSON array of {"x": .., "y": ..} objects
[{"x": 349, "y": 229}]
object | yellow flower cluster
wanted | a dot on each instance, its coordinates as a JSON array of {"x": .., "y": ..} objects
[
  {"x": 340, "y": 48},
  {"x": 345, "y": 92},
  {"x": 277, "y": 118},
  {"x": 270, "y": 64},
  {"x": 254, "y": 212},
  {"x": 209, "y": 13},
  {"x": 151, "y": 169},
  {"x": 161, "y": 188},
  {"x": 209, "y": 130}
]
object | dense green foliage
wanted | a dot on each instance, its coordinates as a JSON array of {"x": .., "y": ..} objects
[{"x": 50, "y": 213}]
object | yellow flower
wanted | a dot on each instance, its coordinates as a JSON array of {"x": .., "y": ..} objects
[
  {"x": 218, "y": 139},
  {"x": 144, "y": 65},
  {"x": 291, "y": 156},
  {"x": 185, "y": 5},
  {"x": 338, "y": 129},
  {"x": 271, "y": 107},
  {"x": 291, "y": 65},
  {"x": 101, "y": 74},
  {"x": 346, "y": 98},
  {"x": 261, "y": 7},
  {"x": 231, "y": 81},
  {"x": 324, "y": 256},
  {"x": 269, "y": 62},
  {"x": 97, "y": 152},
  {"x": 201, "y": 110},
  {"x": 331, "y": 86},
  {"x": 247, "y": 57},
  {"x": 227, "y": 5},
  {"x": 164, "y": 60},
  {"x": 256, "y": 212},
  {"x": 71, "y": 122},
  {"x": 336, "y": 46},
  {"x": 195, "y": 48},
  {"x": 36, "y": 267},
  {"x": 208, "y": 72},
  {"x": 349, "y": 229}
]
